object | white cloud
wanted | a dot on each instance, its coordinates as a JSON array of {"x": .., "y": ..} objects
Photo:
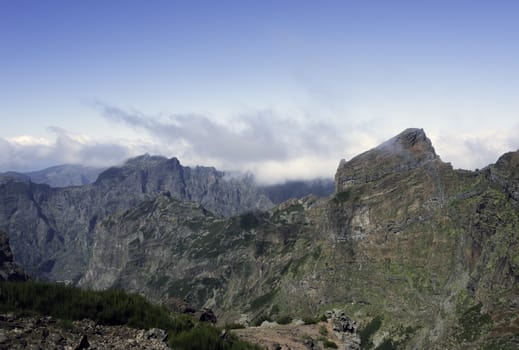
[
  {"x": 25, "y": 153},
  {"x": 272, "y": 147},
  {"x": 475, "y": 149}
]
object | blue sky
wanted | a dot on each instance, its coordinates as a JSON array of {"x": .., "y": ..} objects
[{"x": 284, "y": 89}]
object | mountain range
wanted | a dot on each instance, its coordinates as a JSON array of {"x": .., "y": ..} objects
[{"x": 420, "y": 254}]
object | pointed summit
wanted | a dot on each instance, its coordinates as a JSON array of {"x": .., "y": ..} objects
[
  {"x": 412, "y": 140},
  {"x": 408, "y": 150}
]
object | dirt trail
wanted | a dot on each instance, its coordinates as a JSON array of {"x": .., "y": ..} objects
[{"x": 289, "y": 337}]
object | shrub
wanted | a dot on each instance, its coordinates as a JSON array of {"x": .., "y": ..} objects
[
  {"x": 234, "y": 326},
  {"x": 310, "y": 320},
  {"x": 262, "y": 318},
  {"x": 284, "y": 320},
  {"x": 371, "y": 328},
  {"x": 329, "y": 344},
  {"x": 386, "y": 345}
]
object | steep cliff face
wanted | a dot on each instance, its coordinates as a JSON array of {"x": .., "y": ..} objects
[
  {"x": 9, "y": 270},
  {"x": 52, "y": 229},
  {"x": 166, "y": 248},
  {"x": 428, "y": 251}
]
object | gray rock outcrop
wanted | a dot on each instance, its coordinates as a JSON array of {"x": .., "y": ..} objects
[
  {"x": 9, "y": 270},
  {"x": 18, "y": 332}
]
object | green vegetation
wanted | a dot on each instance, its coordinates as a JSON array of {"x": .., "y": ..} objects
[
  {"x": 347, "y": 195},
  {"x": 263, "y": 300},
  {"x": 284, "y": 319},
  {"x": 323, "y": 330},
  {"x": 367, "y": 332},
  {"x": 329, "y": 344},
  {"x": 207, "y": 337},
  {"x": 386, "y": 345},
  {"x": 234, "y": 326},
  {"x": 310, "y": 320},
  {"x": 249, "y": 221},
  {"x": 260, "y": 319},
  {"x": 472, "y": 322},
  {"x": 112, "y": 307}
]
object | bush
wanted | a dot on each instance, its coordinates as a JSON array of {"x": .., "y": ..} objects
[
  {"x": 329, "y": 344},
  {"x": 234, "y": 326},
  {"x": 371, "y": 328},
  {"x": 284, "y": 320},
  {"x": 310, "y": 320},
  {"x": 386, "y": 345},
  {"x": 262, "y": 318}
]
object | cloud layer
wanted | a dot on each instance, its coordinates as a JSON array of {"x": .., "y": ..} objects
[
  {"x": 26, "y": 153},
  {"x": 262, "y": 136},
  {"x": 270, "y": 146}
]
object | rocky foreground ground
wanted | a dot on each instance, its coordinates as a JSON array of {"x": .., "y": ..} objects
[
  {"x": 47, "y": 333},
  {"x": 36, "y": 332}
]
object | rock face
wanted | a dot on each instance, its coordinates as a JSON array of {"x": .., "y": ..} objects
[
  {"x": 52, "y": 229},
  {"x": 9, "y": 271},
  {"x": 48, "y": 333}
]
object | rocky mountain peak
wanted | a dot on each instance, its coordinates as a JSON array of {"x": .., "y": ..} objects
[
  {"x": 146, "y": 160},
  {"x": 411, "y": 140},
  {"x": 405, "y": 151}
]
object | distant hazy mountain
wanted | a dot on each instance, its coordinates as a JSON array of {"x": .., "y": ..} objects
[
  {"x": 296, "y": 189},
  {"x": 65, "y": 175},
  {"x": 51, "y": 229}
]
